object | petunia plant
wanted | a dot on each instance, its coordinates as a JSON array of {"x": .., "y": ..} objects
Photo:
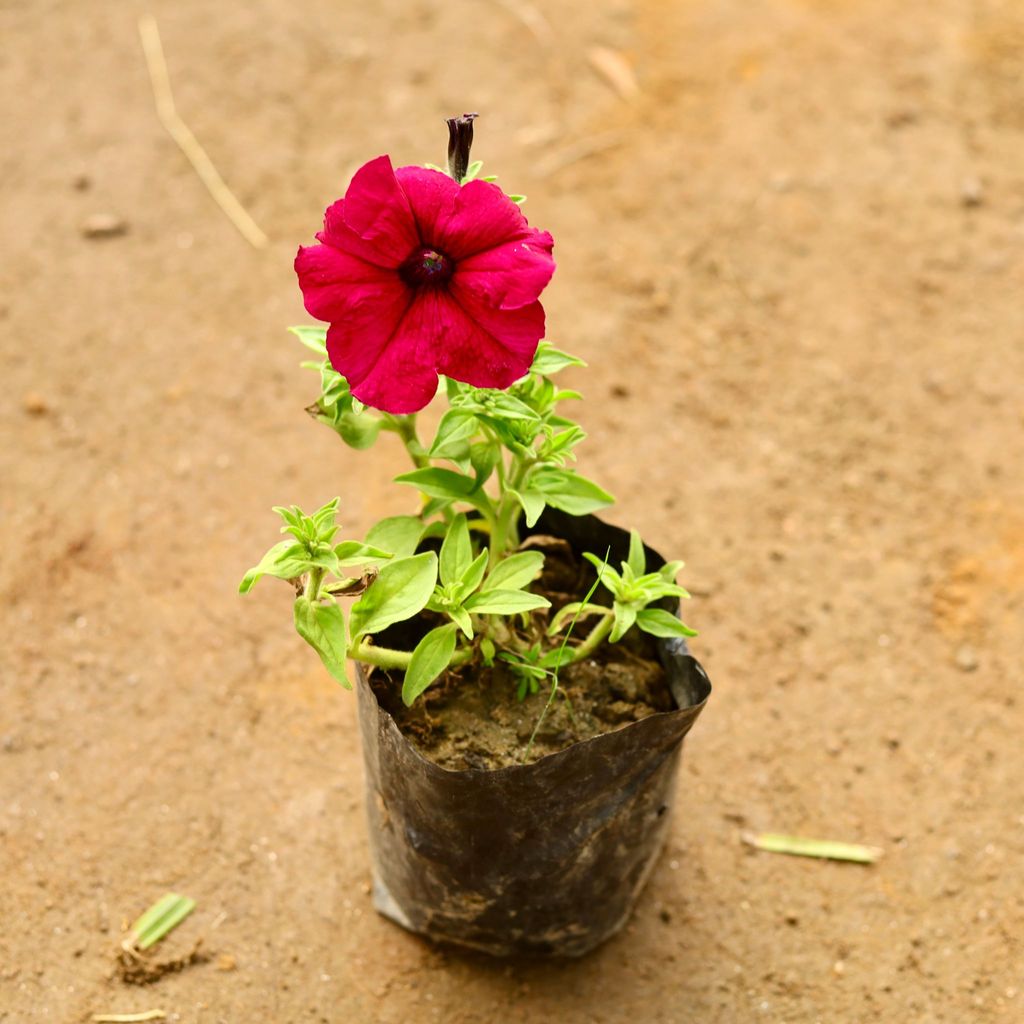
[{"x": 424, "y": 277}]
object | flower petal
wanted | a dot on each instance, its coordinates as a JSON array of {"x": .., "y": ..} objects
[
  {"x": 484, "y": 346},
  {"x": 461, "y": 220},
  {"x": 336, "y": 285},
  {"x": 388, "y": 363},
  {"x": 431, "y": 196},
  {"x": 510, "y": 275},
  {"x": 375, "y": 210}
]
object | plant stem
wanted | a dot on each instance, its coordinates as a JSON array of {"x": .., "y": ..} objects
[
  {"x": 405, "y": 428},
  {"x": 593, "y": 640},
  {"x": 386, "y": 657},
  {"x": 316, "y": 575}
]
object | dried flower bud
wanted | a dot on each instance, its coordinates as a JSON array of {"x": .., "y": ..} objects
[{"x": 460, "y": 141}]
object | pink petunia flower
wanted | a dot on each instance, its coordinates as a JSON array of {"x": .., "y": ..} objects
[{"x": 418, "y": 275}]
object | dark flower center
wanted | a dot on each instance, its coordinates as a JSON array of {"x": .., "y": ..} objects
[{"x": 426, "y": 268}]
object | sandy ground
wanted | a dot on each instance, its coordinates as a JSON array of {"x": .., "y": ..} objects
[{"x": 794, "y": 262}]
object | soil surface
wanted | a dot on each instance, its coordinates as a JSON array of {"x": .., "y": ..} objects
[
  {"x": 791, "y": 247},
  {"x": 474, "y": 718},
  {"x": 480, "y": 717}
]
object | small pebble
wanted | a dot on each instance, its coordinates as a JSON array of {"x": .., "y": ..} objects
[
  {"x": 104, "y": 225},
  {"x": 34, "y": 404},
  {"x": 226, "y": 962},
  {"x": 971, "y": 192},
  {"x": 839, "y": 968},
  {"x": 966, "y": 658}
]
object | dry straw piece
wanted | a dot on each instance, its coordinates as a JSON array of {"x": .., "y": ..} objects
[{"x": 182, "y": 135}]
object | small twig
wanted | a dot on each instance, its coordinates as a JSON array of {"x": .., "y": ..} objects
[
  {"x": 128, "y": 1018},
  {"x": 615, "y": 70},
  {"x": 827, "y": 849},
  {"x": 531, "y": 19},
  {"x": 187, "y": 142},
  {"x": 573, "y": 153}
]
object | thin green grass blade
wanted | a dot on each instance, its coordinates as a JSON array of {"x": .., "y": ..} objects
[
  {"x": 826, "y": 849},
  {"x": 164, "y": 915}
]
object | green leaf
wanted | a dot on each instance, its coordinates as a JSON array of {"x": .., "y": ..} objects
[
  {"x": 456, "y": 551},
  {"x": 533, "y": 503},
  {"x": 354, "y": 552},
  {"x": 285, "y": 560},
  {"x": 474, "y": 574},
  {"x": 440, "y": 483},
  {"x": 659, "y": 622},
  {"x": 549, "y": 360},
  {"x": 429, "y": 659},
  {"x": 518, "y": 200},
  {"x": 399, "y": 592},
  {"x": 637, "y": 560},
  {"x": 625, "y": 616},
  {"x": 605, "y": 573},
  {"x": 515, "y": 572},
  {"x": 313, "y": 336},
  {"x": 457, "y": 426},
  {"x": 568, "y": 491},
  {"x": 163, "y": 916},
  {"x": 576, "y": 610},
  {"x": 322, "y": 626},
  {"x": 461, "y": 618},
  {"x": 398, "y": 534},
  {"x": 800, "y": 846},
  {"x": 505, "y": 602},
  {"x": 357, "y": 430},
  {"x": 483, "y": 457},
  {"x": 496, "y": 405}
]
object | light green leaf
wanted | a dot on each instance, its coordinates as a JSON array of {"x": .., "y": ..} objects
[
  {"x": 285, "y": 560},
  {"x": 606, "y": 574},
  {"x": 456, "y": 551},
  {"x": 505, "y": 602},
  {"x": 515, "y": 572},
  {"x": 637, "y": 560},
  {"x": 322, "y": 626},
  {"x": 799, "y": 846},
  {"x": 659, "y": 622},
  {"x": 474, "y": 574},
  {"x": 568, "y": 491},
  {"x": 440, "y": 483},
  {"x": 313, "y": 336},
  {"x": 357, "y": 430},
  {"x": 153, "y": 924},
  {"x": 398, "y": 534},
  {"x": 532, "y": 502},
  {"x": 625, "y": 616},
  {"x": 461, "y": 618},
  {"x": 454, "y": 431},
  {"x": 429, "y": 659},
  {"x": 354, "y": 552},
  {"x": 399, "y": 592},
  {"x": 549, "y": 360}
]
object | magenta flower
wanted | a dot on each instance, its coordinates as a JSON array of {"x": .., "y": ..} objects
[{"x": 418, "y": 275}]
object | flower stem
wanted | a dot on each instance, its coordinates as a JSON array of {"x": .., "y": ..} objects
[{"x": 405, "y": 428}]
